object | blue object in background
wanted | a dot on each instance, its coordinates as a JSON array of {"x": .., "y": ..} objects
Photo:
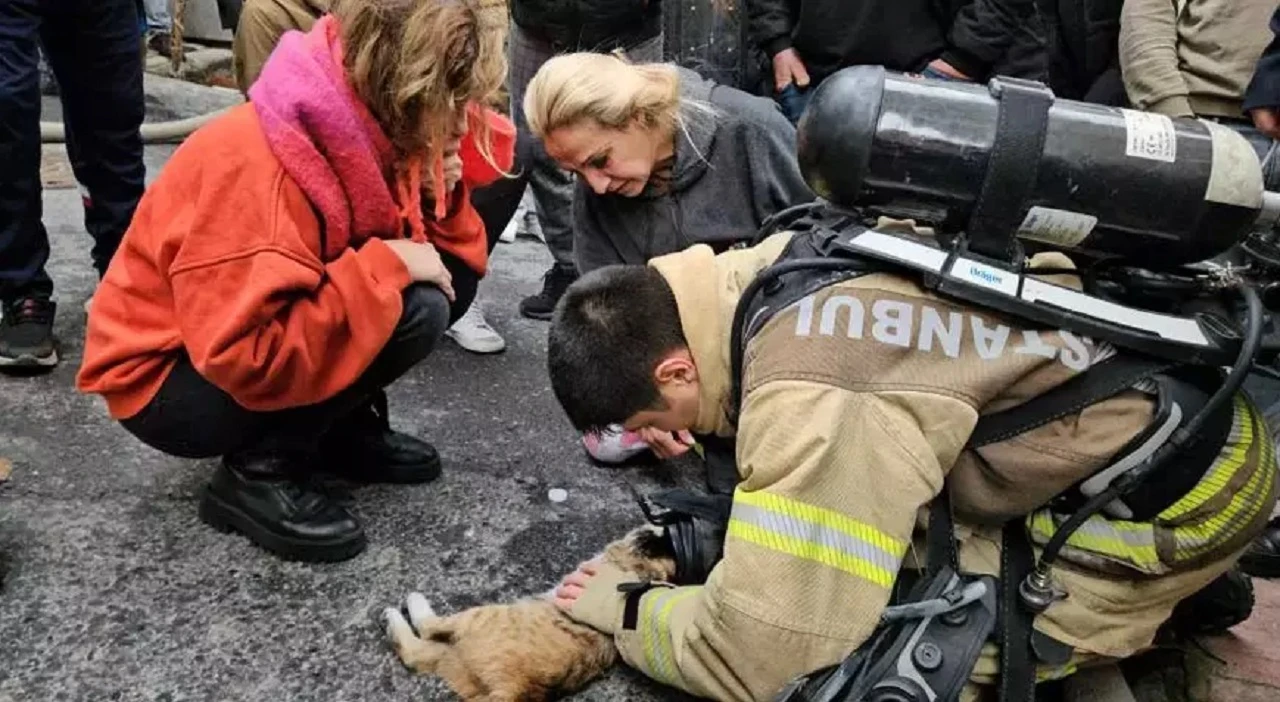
[{"x": 793, "y": 100}]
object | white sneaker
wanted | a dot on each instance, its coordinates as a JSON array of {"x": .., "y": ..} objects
[
  {"x": 614, "y": 445},
  {"x": 508, "y": 234},
  {"x": 474, "y": 334}
]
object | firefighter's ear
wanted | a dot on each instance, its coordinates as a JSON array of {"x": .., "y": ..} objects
[{"x": 676, "y": 368}]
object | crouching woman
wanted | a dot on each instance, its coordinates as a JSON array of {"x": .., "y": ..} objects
[{"x": 298, "y": 255}]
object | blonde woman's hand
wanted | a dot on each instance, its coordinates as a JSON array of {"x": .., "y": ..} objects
[{"x": 424, "y": 264}]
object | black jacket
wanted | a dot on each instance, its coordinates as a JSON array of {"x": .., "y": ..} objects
[
  {"x": 1083, "y": 45},
  {"x": 980, "y": 38},
  {"x": 1264, "y": 88},
  {"x": 589, "y": 25}
]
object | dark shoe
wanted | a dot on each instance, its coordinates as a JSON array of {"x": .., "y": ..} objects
[
  {"x": 161, "y": 43},
  {"x": 363, "y": 448},
  {"x": 1262, "y": 560},
  {"x": 554, "y": 283},
  {"x": 26, "y": 335},
  {"x": 1222, "y": 604},
  {"x": 261, "y": 497}
]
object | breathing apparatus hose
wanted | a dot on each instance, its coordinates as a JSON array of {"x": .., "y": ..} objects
[{"x": 1122, "y": 485}]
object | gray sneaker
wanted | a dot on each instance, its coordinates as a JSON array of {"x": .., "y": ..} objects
[{"x": 26, "y": 335}]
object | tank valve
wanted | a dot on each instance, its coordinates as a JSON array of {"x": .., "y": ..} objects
[{"x": 1038, "y": 591}]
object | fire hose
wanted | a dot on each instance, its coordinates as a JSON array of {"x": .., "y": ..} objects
[{"x": 152, "y": 132}]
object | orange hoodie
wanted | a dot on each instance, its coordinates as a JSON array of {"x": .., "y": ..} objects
[{"x": 223, "y": 262}]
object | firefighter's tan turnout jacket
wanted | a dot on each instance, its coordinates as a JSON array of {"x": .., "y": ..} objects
[{"x": 857, "y": 404}]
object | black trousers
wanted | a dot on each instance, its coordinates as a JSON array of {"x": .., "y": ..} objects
[
  {"x": 94, "y": 49},
  {"x": 496, "y": 204},
  {"x": 192, "y": 418}
]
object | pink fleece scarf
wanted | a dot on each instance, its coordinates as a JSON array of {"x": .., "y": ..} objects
[{"x": 330, "y": 144}]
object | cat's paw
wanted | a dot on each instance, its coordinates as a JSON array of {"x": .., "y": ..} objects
[
  {"x": 394, "y": 625},
  {"x": 420, "y": 611}
]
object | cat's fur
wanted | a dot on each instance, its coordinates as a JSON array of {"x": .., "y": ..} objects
[{"x": 525, "y": 651}]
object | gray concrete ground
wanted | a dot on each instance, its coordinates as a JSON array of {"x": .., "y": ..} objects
[{"x": 114, "y": 590}]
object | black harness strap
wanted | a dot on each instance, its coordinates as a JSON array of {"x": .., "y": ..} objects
[
  {"x": 1095, "y": 384},
  {"x": 941, "y": 537},
  {"x": 1012, "y": 167},
  {"x": 1017, "y": 667}
]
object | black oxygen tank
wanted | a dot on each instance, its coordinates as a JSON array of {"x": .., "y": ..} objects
[{"x": 1111, "y": 182}]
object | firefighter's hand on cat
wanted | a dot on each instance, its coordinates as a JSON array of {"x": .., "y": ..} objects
[{"x": 570, "y": 589}]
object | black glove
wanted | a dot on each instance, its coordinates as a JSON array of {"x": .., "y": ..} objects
[{"x": 695, "y": 525}]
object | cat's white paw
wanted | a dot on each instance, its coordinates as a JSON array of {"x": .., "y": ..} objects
[
  {"x": 394, "y": 625},
  {"x": 420, "y": 610}
]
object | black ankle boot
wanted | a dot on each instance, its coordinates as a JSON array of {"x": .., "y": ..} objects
[
  {"x": 261, "y": 497},
  {"x": 363, "y": 448},
  {"x": 1222, "y": 604},
  {"x": 1262, "y": 560},
  {"x": 554, "y": 284}
]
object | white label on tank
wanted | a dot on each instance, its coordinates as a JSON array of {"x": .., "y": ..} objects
[
  {"x": 1057, "y": 227},
  {"x": 1150, "y": 136}
]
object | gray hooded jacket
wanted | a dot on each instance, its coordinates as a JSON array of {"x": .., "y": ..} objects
[{"x": 732, "y": 170}]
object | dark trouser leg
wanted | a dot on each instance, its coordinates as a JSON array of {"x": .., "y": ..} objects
[
  {"x": 496, "y": 204},
  {"x": 24, "y": 244},
  {"x": 192, "y": 418},
  {"x": 552, "y": 187},
  {"x": 93, "y": 49},
  {"x": 261, "y": 489}
]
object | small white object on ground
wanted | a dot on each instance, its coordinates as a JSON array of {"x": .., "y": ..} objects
[{"x": 557, "y": 494}]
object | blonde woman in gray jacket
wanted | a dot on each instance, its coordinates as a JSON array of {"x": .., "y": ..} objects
[{"x": 665, "y": 159}]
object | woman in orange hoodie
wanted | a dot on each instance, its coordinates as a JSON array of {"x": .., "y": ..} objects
[{"x": 298, "y": 255}]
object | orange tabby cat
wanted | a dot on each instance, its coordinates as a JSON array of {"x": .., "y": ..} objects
[{"x": 525, "y": 651}]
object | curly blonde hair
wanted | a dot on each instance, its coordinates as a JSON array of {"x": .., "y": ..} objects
[{"x": 416, "y": 64}]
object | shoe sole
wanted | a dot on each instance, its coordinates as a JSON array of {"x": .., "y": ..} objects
[
  {"x": 29, "y": 362},
  {"x": 540, "y": 316},
  {"x": 226, "y": 518},
  {"x": 643, "y": 458},
  {"x": 485, "y": 350}
]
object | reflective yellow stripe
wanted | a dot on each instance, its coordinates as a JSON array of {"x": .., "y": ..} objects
[
  {"x": 659, "y": 652},
  {"x": 816, "y": 534},
  {"x": 1230, "y": 458},
  {"x": 1233, "y": 494},
  {"x": 1133, "y": 543},
  {"x": 1055, "y": 673},
  {"x": 1193, "y": 540}
]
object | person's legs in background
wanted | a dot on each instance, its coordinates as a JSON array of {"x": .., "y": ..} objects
[
  {"x": 26, "y": 338},
  {"x": 496, "y": 204},
  {"x": 159, "y": 25},
  {"x": 94, "y": 54},
  {"x": 267, "y": 487},
  {"x": 793, "y": 100},
  {"x": 552, "y": 187}
]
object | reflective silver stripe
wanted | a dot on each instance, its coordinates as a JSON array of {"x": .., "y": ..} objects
[{"x": 817, "y": 534}]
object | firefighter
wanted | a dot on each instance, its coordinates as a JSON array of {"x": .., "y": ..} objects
[{"x": 858, "y": 403}]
